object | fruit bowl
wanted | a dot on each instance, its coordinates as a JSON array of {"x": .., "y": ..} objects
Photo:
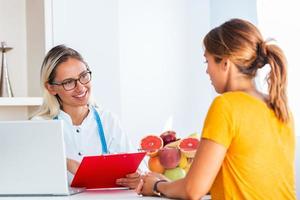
[{"x": 169, "y": 155}]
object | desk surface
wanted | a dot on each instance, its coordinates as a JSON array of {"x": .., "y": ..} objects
[{"x": 90, "y": 195}]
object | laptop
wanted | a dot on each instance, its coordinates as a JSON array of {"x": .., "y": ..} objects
[{"x": 33, "y": 160}]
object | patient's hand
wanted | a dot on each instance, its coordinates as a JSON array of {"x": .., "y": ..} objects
[
  {"x": 72, "y": 165},
  {"x": 159, "y": 176},
  {"x": 131, "y": 180}
]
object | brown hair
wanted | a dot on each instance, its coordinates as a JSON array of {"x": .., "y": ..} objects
[{"x": 243, "y": 44}]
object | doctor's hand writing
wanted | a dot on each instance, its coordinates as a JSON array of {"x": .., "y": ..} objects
[
  {"x": 131, "y": 180},
  {"x": 72, "y": 165}
]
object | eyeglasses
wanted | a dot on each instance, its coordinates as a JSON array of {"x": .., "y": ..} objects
[{"x": 71, "y": 83}]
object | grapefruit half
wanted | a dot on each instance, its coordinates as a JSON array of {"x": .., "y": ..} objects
[
  {"x": 188, "y": 146},
  {"x": 151, "y": 144}
]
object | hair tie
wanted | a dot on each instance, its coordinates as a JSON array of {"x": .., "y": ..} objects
[
  {"x": 260, "y": 61},
  {"x": 261, "y": 55}
]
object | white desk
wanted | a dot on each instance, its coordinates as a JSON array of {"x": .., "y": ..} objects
[{"x": 92, "y": 194}]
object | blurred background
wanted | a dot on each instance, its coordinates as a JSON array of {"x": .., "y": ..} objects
[{"x": 146, "y": 56}]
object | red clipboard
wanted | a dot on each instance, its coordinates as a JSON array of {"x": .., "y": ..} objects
[{"x": 103, "y": 171}]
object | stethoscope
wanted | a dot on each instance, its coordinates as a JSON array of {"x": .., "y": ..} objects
[{"x": 100, "y": 130}]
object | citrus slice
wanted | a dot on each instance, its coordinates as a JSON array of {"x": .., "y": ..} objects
[
  {"x": 151, "y": 144},
  {"x": 188, "y": 146}
]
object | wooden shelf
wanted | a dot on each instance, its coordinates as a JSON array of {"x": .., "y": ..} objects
[{"x": 21, "y": 101}]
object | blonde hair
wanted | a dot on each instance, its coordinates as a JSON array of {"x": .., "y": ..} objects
[
  {"x": 57, "y": 55},
  {"x": 243, "y": 44}
]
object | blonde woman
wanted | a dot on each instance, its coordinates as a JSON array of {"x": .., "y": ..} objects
[
  {"x": 247, "y": 146},
  {"x": 88, "y": 130}
]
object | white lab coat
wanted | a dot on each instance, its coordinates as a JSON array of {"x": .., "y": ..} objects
[{"x": 84, "y": 140}]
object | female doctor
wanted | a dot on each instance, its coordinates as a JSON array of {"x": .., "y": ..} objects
[{"x": 88, "y": 130}]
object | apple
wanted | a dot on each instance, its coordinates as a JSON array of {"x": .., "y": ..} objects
[
  {"x": 168, "y": 137},
  {"x": 169, "y": 157},
  {"x": 175, "y": 174}
]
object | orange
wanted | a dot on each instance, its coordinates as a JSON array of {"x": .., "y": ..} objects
[{"x": 155, "y": 166}]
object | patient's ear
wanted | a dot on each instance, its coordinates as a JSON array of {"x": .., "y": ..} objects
[
  {"x": 226, "y": 64},
  {"x": 51, "y": 89}
]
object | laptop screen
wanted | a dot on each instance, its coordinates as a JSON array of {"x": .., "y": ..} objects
[{"x": 33, "y": 158}]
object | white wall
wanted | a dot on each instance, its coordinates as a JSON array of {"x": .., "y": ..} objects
[
  {"x": 91, "y": 27},
  {"x": 222, "y": 11},
  {"x": 162, "y": 74},
  {"x": 146, "y": 58}
]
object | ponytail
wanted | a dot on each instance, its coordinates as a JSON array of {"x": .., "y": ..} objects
[
  {"x": 243, "y": 43},
  {"x": 277, "y": 82}
]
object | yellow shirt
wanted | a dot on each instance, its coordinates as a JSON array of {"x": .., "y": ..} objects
[{"x": 259, "y": 163}]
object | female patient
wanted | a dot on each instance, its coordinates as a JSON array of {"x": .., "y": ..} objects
[
  {"x": 88, "y": 130},
  {"x": 247, "y": 145}
]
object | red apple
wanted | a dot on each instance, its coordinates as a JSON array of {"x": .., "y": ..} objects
[
  {"x": 169, "y": 157},
  {"x": 168, "y": 137}
]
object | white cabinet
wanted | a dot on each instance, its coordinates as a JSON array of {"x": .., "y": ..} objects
[
  {"x": 20, "y": 101},
  {"x": 18, "y": 108}
]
